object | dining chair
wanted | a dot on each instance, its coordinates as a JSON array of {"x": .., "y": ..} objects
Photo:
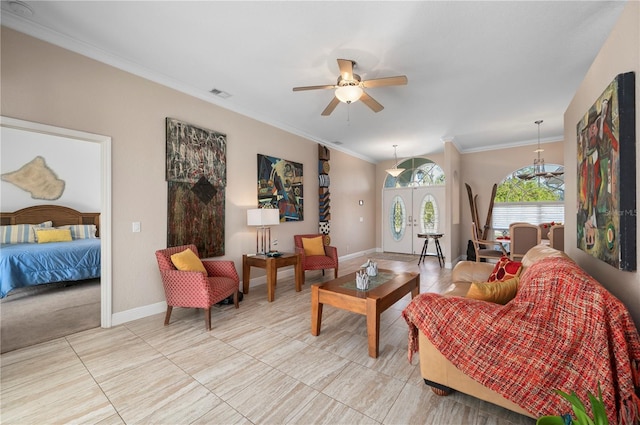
[
  {"x": 197, "y": 284},
  {"x": 480, "y": 246},
  {"x": 544, "y": 230},
  {"x": 524, "y": 236},
  {"x": 556, "y": 237}
]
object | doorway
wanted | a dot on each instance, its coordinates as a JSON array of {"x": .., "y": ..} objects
[
  {"x": 408, "y": 212},
  {"x": 105, "y": 203}
]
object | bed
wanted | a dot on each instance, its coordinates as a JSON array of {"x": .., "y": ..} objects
[{"x": 25, "y": 262}]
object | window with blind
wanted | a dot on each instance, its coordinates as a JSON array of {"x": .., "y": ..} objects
[
  {"x": 535, "y": 201},
  {"x": 505, "y": 213}
]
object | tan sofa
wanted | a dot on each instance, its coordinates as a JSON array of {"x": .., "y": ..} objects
[{"x": 436, "y": 370}]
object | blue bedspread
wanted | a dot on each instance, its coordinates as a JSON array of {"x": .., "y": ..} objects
[{"x": 30, "y": 264}]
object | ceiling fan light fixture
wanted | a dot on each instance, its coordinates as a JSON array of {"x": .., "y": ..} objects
[
  {"x": 395, "y": 171},
  {"x": 348, "y": 94}
]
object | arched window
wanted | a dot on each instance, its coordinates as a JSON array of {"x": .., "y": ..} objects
[
  {"x": 524, "y": 196},
  {"x": 417, "y": 172}
]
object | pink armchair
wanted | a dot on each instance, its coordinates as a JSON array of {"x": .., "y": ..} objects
[
  {"x": 317, "y": 262},
  {"x": 195, "y": 289}
]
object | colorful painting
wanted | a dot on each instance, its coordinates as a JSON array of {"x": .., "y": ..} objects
[
  {"x": 196, "y": 172},
  {"x": 606, "y": 218},
  {"x": 280, "y": 186}
]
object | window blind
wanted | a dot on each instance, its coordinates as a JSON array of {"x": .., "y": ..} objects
[{"x": 505, "y": 213}]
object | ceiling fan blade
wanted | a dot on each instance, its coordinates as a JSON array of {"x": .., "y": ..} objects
[
  {"x": 371, "y": 102},
  {"x": 399, "y": 80},
  {"x": 313, "y": 88},
  {"x": 346, "y": 69},
  {"x": 330, "y": 107}
]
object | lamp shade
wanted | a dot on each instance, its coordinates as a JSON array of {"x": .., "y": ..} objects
[
  {"x": 395, "y": 172},
  {"x": 348, "y": 94},
  {"x": 263, "y": 217}
]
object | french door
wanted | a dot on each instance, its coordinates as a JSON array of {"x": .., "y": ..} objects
[{"x": 408, "y": 212}]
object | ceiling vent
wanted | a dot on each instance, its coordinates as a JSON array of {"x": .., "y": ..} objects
[{"x": 220, "y": 93}]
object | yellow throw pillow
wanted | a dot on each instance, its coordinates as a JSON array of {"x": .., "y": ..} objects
[
  {"x": 500, "y": 292},
  {"x": 53, "y": 235},
  {"x": 313, "y": 246},
  {"x": 188, "y": 261}
]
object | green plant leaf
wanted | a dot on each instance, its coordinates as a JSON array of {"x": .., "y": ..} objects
[
  {"x": 599, "y": 411},
  {"x": 582, "y": 418}
]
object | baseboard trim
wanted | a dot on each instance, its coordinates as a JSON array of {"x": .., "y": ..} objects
[
  {"x": 138, "y": 313},
  {"x": 161, "y": 307}
]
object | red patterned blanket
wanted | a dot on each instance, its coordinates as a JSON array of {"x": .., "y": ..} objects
[{"x": 563, "y": 330}]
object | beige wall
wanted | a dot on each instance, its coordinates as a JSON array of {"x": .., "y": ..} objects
[
  {"x": 46, "y": 84},
  {"x": 453, "y": 172},
  {"x": 620, "y": 54}
]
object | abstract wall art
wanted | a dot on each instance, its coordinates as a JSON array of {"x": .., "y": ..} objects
[
  {"x": 606, "y": 213},
  {"x": 196, "y": 172},
  {"x": 324, "y": 195},
  {"x": 38, "y": 179},
  {"x": 280, "y": 185}
]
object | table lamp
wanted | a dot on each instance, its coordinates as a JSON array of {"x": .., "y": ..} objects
[{"x": 263, "y": 218}]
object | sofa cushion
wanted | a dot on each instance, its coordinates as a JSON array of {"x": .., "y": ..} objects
[
  {"x": 505, "y": 269},
  {"x": 499, "y": 292},
  {"x": 540, "y": 252}
]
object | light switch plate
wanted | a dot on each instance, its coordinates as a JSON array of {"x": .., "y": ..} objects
[{"x": 136, "y": 227}]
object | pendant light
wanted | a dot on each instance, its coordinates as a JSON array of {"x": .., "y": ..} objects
[
  {"x": 538, "y": 169},
  {"x": 395, "y": 171}
]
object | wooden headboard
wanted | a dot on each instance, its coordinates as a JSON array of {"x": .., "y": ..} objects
[{"x": 60, "y": 216}]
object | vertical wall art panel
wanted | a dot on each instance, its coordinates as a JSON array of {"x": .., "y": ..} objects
[
  {"x": 280, "y": 186},
  {"x": 192, "y": 221},
  {"x": 194, "y": 152},
  {"x": 606, "y": 139},
  {"x": 324, "y": 195},
  {"x": 197, "y": 174}
]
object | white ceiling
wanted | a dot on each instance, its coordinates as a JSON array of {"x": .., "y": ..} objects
[{"x": 480, "y": 73}]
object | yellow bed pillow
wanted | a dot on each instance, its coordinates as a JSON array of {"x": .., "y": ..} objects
[
  {"x": 188, "y": 261},
  {"x": 499, "y": 292},
  {"x": 313, "y": 246},
  {"x": 53, "y": 235}
]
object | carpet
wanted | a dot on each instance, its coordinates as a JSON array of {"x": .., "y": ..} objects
[{"x": 30, "y": 316}]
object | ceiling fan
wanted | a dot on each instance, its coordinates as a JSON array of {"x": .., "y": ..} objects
[{"x": 350, "y": 87}]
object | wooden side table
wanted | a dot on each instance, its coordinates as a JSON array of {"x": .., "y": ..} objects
[{"x": 271, "y": 265}]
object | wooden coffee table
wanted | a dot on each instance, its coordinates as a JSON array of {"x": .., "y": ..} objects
[{"x": 341, "y": 293}]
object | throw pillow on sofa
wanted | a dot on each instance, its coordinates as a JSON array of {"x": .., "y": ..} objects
[
  {"x": 505, "y": 269},
  {"x": 499, "y": 292}
]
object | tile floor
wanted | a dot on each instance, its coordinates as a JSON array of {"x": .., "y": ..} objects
[{"x": 258, "y": 365}]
